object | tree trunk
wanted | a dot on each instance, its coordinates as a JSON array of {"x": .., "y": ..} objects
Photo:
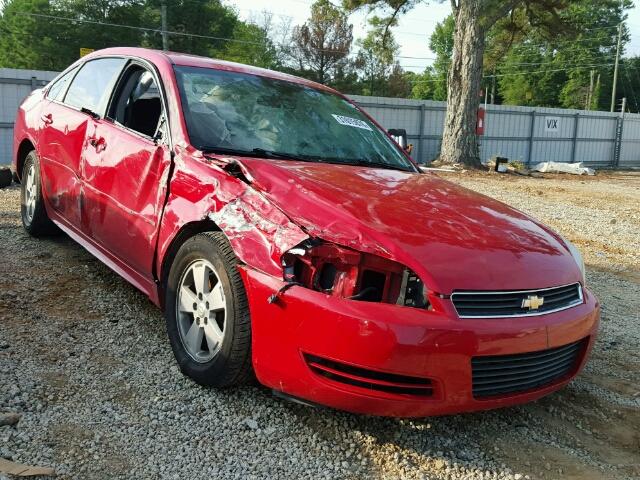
[{"x": 459, "y": 142}]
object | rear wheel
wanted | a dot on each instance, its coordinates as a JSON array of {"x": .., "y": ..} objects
[
  {"x": 206, "y": 312},
  {"x": 34, "y": 215}
]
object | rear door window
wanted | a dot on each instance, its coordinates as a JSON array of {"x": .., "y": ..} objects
[{"x": 92, "y": 85}]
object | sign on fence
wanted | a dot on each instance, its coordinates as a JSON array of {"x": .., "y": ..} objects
[{"x": 552, "y": 124}]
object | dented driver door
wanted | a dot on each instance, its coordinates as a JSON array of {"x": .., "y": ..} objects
[{"x": 125, "y": 175}]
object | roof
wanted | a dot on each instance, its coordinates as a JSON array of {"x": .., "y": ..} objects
[{"x": 188, "y": 60}]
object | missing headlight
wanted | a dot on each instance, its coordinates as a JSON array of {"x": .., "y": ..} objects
[
  {"x": 346, "y": 273},
  {"x": 412, "y": 291}
]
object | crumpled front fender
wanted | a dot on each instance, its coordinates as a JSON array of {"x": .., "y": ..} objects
[{"x": 201, "y": 189}]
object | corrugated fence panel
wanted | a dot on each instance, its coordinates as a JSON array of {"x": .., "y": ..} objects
[
  {"x": 508, "y": 129},
  {"x": 630, "y": 149},
  {"x": 15, "y": 85}
]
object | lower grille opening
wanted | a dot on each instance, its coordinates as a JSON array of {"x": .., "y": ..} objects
[
  {"x": 369, "y": 379},
  {"x": 508, "y": 374}
]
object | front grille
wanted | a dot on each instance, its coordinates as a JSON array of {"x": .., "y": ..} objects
[
  {"x": 368, "y": 379},
  {"x": 506, "y": 374},
  {"x": 516, "y": 303}
]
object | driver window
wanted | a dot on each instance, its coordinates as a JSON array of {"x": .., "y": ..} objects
[{"x": 137, "y": 104}]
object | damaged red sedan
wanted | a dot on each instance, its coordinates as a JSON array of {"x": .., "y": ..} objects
[{"x": 287, "y": 237}]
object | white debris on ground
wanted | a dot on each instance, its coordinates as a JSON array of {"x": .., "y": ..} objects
[
  {"x": 85, "y": 362},
  {"x": 563, "y": 167}
]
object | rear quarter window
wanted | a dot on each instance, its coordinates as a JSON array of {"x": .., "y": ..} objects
[{"x": 59, "y": 87}]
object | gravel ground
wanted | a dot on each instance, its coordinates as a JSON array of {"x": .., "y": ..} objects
[{"x": 85, "y": 362}]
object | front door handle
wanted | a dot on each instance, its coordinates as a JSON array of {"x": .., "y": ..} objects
[
  {"x": 47, "y": 119},
  {"x": 98, "y": 143}
]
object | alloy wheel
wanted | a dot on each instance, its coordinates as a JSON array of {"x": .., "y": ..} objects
[
  {"x": 201, "y": 311},
  {"x": 30, "y": 193}
]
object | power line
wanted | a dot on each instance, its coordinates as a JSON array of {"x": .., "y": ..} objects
[
  {"x": 145, "y": 29},
  {"x": 572, "y": 67}
]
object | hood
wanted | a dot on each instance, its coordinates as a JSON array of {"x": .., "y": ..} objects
[{"x": 452, "y": 237}]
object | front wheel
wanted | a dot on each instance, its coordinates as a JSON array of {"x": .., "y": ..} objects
[{"x": 207, "y": 314}]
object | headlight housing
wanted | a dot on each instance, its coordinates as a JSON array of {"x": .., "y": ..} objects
[
  {"x": 577, "y": 256},
  {"x": 347, "y": 273}
]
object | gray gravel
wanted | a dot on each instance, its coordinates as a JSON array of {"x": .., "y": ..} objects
[{"x": 84, "y": 360}]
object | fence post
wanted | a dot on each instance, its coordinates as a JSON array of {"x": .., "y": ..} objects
[
  {"x": 34, "y": 83},
  {"x": 617, "y": 146},
  {"x": 575, "y": 138},
  {"x": 531, "y": 132},
  {"x": 422, "y": 156}
]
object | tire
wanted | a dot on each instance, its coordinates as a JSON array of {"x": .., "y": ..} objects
[
  {"x": 214, "y": 357},
  {"x": 32, "y": 210}
]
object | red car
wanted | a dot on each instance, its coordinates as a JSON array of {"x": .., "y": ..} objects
[{"x": 286, "y": 236}]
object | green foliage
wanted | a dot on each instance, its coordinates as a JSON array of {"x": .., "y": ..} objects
[
  {"x": 29, "y": 41},
  {"x": 252, "y": 46},
  {"x": 376, "y": 57},
  {"x": 544, "y": 71},
  {"x": 200, "y": 17},
  {"x": 32, "y": 41}
]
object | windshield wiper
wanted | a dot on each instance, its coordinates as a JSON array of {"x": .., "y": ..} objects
[
  {"x": 260, "y": 152},
  {"x": 287, "y": 156},
  {"x": 228, "y": 151},
  {"x": 361, "y": 162}
]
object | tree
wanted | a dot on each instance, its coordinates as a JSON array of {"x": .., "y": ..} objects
[
  {"x": 441, "y": 43},
  {"x": 376, "y": 57},
  {"x": 323, "y": 42},
  {"x": 196, "y": 22},
  {"x": 39, "y": 34},
  {"x": 473, "y": 22},
  {"x": 251, "y": 46},
  {"x": 538, "y": 70}
]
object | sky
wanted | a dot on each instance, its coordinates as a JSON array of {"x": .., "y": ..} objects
[{"x": 412, "y": 32}]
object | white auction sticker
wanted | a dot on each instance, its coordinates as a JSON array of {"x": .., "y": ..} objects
[{"x": 351, "y": 122}]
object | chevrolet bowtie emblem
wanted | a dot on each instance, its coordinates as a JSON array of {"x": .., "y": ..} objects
[{"x": 532, "y": 302}]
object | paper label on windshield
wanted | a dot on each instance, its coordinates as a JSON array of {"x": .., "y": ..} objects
[{"x": 351, "y": 122}]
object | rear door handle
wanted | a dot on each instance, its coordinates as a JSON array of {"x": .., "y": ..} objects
[{"x": 47, "y": 119}]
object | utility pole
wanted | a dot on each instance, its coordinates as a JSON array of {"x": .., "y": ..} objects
[
  {"x": 590, "y": 94},
  {"x": 615, "y": 70},
  {"x": 165, "y": 34}
]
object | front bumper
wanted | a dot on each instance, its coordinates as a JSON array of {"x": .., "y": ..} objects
[{"x": 401, "y": 341}]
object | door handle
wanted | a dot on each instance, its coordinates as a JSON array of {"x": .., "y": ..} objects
[
  {"x": 98, "y": 143},
  {"x": 47, "y": 119}
]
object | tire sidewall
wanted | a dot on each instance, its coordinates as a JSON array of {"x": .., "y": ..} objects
[{"x": 213, "y": 371}]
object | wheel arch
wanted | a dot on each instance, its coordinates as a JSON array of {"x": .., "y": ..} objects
[
  {"x": 187, "y": 231},
  {"x": 25, "y": 147}
]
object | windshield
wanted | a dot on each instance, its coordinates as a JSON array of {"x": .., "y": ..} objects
[{"x": 231, "y": 112}]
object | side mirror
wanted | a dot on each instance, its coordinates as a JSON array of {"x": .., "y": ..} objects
[{"x": 400, "y": 136}]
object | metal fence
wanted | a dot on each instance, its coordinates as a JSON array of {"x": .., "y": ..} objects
[
  {"x": 15, "y": 85},
  {"x": 527, "y": 134}
]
